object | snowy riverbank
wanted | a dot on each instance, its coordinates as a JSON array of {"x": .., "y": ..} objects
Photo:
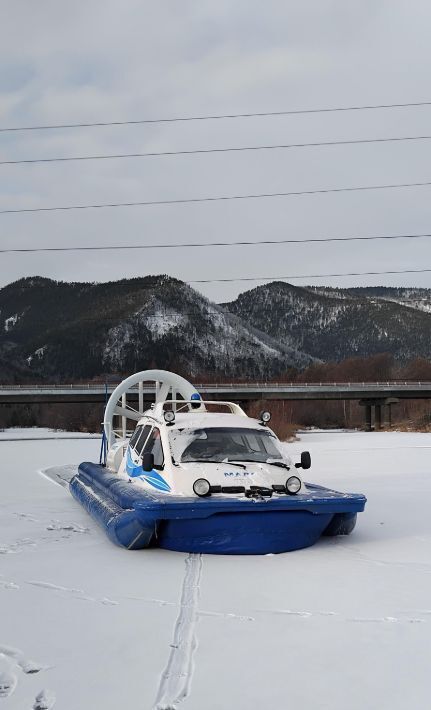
[{"x": 345, "y": 623}]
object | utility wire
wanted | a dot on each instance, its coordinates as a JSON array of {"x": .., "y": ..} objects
[
  {"x": 219, "y": 198},
  {"x": 205, "y": 151},
  {"x": 308, "y": 276},
  {"x": 189, "y": 245},
  {"x": 215, "y": 117}
]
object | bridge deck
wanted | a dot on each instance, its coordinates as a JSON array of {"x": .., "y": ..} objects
[{"x": 91, "y": 392}]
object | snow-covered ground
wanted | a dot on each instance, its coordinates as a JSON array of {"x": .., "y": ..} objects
[{"x": 344, "y": 624}]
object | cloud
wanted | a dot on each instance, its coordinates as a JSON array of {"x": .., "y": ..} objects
[{"x": 107, "y": 61}]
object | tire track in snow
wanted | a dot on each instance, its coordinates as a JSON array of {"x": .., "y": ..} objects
[
  {"x": 79, "y": 594},
  {"x": 176, "y": 678},
  {"x": 340, "y": 617},
  {"x": 201, "y": 612},
  {"x": 421, "y": 567}
]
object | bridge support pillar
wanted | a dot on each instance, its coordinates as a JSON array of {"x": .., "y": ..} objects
[
  {"x": 375, "y": 410},
  {"x": 389, "y": 402},
  {"x": 368, "y": 420},
  {"x": 377, "y": 417}
]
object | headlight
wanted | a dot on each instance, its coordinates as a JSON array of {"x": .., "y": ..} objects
[
  {"x": 201, "y": 487},
  {"x": 265, "y": 417},
  {"x": 293, "y": 485},
  {"x": 169, "y": 416}
]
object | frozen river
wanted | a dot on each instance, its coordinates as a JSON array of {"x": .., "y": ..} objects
[{"x": 344, "y": 624}]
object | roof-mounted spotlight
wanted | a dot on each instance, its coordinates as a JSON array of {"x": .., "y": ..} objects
[
  {"x": 169, "y": 416},
  {"x": 264, "y": 417}
]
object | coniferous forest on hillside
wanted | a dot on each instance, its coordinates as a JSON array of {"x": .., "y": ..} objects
[{"x": 56, "y": 332}]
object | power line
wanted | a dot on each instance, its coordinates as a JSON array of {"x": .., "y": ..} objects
[
  {"x": 187, "y": 245},
  {"x": 219, "y": 198},
  {"x": 206, "y": 151},
  {"x": 308, "y": 276},
  {"x": 215, "y": 117}
]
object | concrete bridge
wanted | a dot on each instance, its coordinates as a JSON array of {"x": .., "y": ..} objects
[{"x": 376, "y": 397}]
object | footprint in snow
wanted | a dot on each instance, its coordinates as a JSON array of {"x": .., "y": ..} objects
[
  {"x": 17, "y": 546},
  {"x": 68, "y": 527},
  {"x": 29, "y": 667},
  {"x": 386, "y": 620},
  {"x": 8, "y": 585},
  {"x": 45, "y": 700},
  {"x": 26, "y": 516},
  {"x": 12, "y": 659},
  {"x": 8, "y": 681},
  {"x": 15, "y": 655},
  {"x": 6, "y": 550},
  {"x": 108, "y": 602}
]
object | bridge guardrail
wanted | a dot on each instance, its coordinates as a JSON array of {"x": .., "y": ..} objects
[{"x": 229, "y": 385}]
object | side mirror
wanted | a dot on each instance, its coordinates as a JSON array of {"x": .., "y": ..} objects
[
  {"x": 148, "y": 461},
  {"x": 305, "y": 460}
]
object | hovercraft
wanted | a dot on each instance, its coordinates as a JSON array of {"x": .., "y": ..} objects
[{"x": 192, "y": 479}]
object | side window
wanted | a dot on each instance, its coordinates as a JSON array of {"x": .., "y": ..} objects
[
  {"x": 142, "y": 439},
  {"x": 154, "y": 446},
  {"x": 135, "y": 436}
]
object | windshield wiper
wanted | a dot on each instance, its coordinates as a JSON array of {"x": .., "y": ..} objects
[
  {"x": 281, "y": 464},
  {"x": 243, "y": 461},
  {"x": 234, "y": 463},
  {"x": 201, "y": 461}
]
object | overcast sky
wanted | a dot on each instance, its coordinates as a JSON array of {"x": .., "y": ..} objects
[{"x": 106, "y": 60}]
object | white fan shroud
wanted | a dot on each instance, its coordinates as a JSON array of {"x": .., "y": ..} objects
[{"x": 168, "y": 385}]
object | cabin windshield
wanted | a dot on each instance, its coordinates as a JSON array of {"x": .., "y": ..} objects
[{"x": 224, "y": 444}]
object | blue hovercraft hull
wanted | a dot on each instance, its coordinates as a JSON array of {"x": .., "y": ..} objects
[{"x": 135, "y": 518}]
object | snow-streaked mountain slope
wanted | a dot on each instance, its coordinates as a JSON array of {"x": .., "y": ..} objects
[
  {"x": 333, "y": 324},
  {"x": 81, "y": 330},
  {"x": 417, "y": 298}
]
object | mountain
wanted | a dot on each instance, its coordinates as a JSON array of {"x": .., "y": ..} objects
[
  {"x": 58, "y": 330},
  {"x": 52, "y": 330},
  {"x": 334, "y": 323},
  {"x": 417, "y": 298}
]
